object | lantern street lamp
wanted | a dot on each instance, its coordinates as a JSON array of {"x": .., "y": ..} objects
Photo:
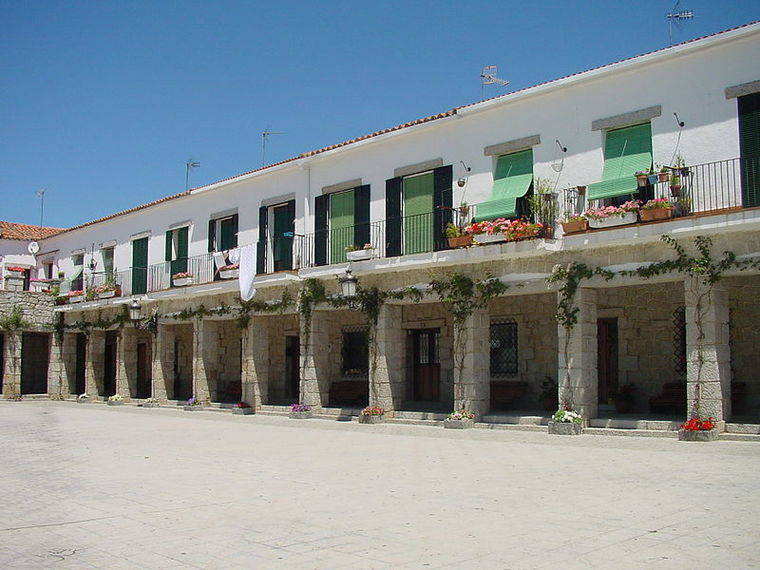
[
  {"x": 348, "y": 283},
  {"x": 134, "y": 311}
]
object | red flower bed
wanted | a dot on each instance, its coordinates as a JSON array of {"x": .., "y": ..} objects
[{"x": 696, "y": 424}]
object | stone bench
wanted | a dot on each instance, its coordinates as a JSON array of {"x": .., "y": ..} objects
[{"x": 349, "y": 393}]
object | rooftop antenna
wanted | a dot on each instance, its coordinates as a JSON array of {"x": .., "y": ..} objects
[
  {"x": 677, "y": 16},
  {"x": 265, "y": 134},
  {"x": 41, "y": 195},
  {"x": 488, "y": 77},
  {"x": 189, "y": 165}
]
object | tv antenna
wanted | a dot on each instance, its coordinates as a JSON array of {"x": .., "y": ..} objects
[
  {"x": 189, "y": 165},
  {"x": 677, "y": 17},
  {"x": 265, "y": 134},
  {"x": 41, "y": 195},
  {"x": 488, "y": 77}
]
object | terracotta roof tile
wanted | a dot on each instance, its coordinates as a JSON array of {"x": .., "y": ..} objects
[{"x": 11, "y": 230}]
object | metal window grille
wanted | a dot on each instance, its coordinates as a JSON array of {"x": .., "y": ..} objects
[{"x": 504, "y": 348}]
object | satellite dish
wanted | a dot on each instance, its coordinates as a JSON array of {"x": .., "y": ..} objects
[{"x": 33, "y": 247}]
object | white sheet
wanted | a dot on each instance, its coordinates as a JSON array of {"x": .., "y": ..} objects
[{"x": 247, "y": 271}]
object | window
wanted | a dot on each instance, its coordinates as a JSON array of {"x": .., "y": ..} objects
[
  {"x": 176, "y": 250},
  {"x": 223, "y": 233},
  {"x": 512, "y": 180},
  {"x": 626, "y": 151},
  {"x": 77, "y": 281},
  {"x": 504, "y": 348},
  {"x": 355, "y": 353},
  {"x": 107, "y": 253}
]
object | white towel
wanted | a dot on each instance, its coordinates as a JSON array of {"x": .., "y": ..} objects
[
  {"x": 234, "y": 256},
  {"x": 247, "y": 271}
]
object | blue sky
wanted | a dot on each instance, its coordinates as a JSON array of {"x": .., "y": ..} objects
[{"x": 103, "y": 102}]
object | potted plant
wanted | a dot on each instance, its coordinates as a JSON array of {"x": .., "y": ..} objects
[
  {"x": 107, "y": 290},
  {"x": 115, "y": 400},
  {"x": 242, "y": 409},
  {"x": 566, "y": 422},
  {"x": 610, "y": 216},
  {"x": 231, "y": 271},
  {"x": 372, "y": 415},
  {"x": 697, "y": 429},
  {"x": 75, "y": 296},
  {"x": 192, "y": 404},
  {"x": 573, "y": 224},
  {"x": 625, "y": 398},
  {"x": 657, "y": 209},
  {"x": 675, "y": 184},
  {"x": 642, "y": 178},
  {"x": 457, "y": 237},
  {"x": 354, "y": 253},
  {"x": 548, "y": 395},
  {"x": 300, "y": 412},
  {"x": 182, "y": 279},
  {"x": 486, "y": 232},
  {"x": 680, "y": 165},
  {"x": 14, "y": 270},
  {"x": 150, "y": 403},
  {"x": 663, "y": 175},
  {"x": 459, "y": 419}
]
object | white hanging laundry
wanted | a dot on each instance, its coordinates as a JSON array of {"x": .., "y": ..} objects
[
  {"x": 247, "y": 271},
  {"x": 234, "y": 255}
]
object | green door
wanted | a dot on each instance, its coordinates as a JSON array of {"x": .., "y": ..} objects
[
  {"x": 179, "y": 263},
  {"x": 341, "y": 225},
  {"x": 140, "y": 266},
  {"x": 749, "y": 144},
  {"x": 282, "y": 238},
  {"x": 227, "y": 238},
  {"x": 418, "y": 213}
]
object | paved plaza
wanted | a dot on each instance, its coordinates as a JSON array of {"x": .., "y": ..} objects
[{"x": 125, "y": 487}]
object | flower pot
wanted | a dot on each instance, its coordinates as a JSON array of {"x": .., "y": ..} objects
[
  {"x": 368, "y": 419},
  {"x": 653, "y": 179},
  {"x": 663, "y": 177},
  {"x": 698, "y": 435},
  {"x": 675, "y": 189},
  {"x": 182, "y": 281},
  {"x": 565, "y": 428},
  {"x": 684, "y": 171},
  {"x": 243, "y": 411},
  {"x": 114, "y": 402},
  {"x": 360, "y": 254},
  {"x": 656, "y": 214},
  {"x": 574, "y": 226},
  {"x": 460, "y": 241},
  {"x": 229, "y": 273},
  {"x": 76, "y": 299},
  {"x": 106, "y": 294},
  {"x": 612, "y": 221},
  {"x": 489, "y": 238},
  {"x": 300, "y": 415},
  {"x": 641, "y": 181},
  {"x": 449, "y": 423}
]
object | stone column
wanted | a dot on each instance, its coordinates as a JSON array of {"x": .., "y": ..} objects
[
  {"x": 577, "y": 374},
  {"x": 316, "y": 353},
  {"x": 256, "y": 362},
  {"x": 126, "y": 362},
  {"x": 708, "y": 354},
  {"x": 473, "y": 391},
  {"x": 12, "y": 364},
  {"x": 386, "y": 381},
  {"x": 68, "y": 363},
  {"x": 204, "y": 359},
  {"x": 162, "y": 373},
  {"x": 96, "y": 348},
  {"x": 57, "y": 384}
]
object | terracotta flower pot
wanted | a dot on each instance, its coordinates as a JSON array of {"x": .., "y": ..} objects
[
  {"x": 663, "y": 176},
  {"x": 641, "y": 180},
  {"x": 656, "y": 214},
  {"x": 574, "y": 226},
  {"x": 460, "y": 241}
]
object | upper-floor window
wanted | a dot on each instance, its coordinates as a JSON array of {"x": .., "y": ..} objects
[
  {"x": 341, "y": 222},
  {"x": 107, "y": 253},
  {"x": 175, "y": 249},
  {"x": 276, "y": 233},
  {"x": 77, "y": 279},
  {"x": 512, "y": 180},
  {"x": 223, "y": 233}
]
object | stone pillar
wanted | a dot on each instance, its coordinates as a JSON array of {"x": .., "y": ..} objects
[
  {"x": 12, "y": 364},
  {"x": 162, "y": 373},
  {"x": 68, "y": 365},
  {"x": 126, "y": 362},
  {"x": 256, "y": 362},
  {"x": 472, "y": 392},
  {"x": 57, "y": 385},
  {"x": 204, "y": 359},
  {"x": 386, "y": 380},
  {"x": 96, "y": 348},
  {"x": 708, "y": 354},
  {"x": 577, "y": 374},
  {"x": 316, "y": 353}
]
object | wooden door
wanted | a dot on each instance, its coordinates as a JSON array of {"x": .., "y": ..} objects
[
  {"x": 607, "y": 359},
  {"x": 143, "y": 370},
  {"x": 80, "y": 365},
  {"x": 427, "y": 367},
  {"x": 293, "y": 367},
  {"x": 35, "y": 355}
]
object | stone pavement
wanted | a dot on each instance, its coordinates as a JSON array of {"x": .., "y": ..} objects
[{"x": 124, "y": 487}]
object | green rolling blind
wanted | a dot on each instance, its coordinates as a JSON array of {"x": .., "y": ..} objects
[
  {"x": 626, "y": 151},
  {"x": 341, "y": 225},
  {"x": 749, "y": 144},
  {"x": 418, "y": 213},
  {"x": 511, "y": 180}
]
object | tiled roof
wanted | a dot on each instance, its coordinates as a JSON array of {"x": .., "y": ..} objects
[
  {"x": 11, "y": 230},
  {"x": 415, "y": 122}
]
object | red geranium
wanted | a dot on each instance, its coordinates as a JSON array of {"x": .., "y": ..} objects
[{"x": 696, "y": 424}]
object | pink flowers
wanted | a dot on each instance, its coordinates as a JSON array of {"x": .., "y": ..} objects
[
  {"x": 230, "y": 267},
  {"x": 300, "y": 408},
  {"x": 610, "y": 211},
  {"x": 373, "y": 411},
  {"x": 514, "y": 230}
]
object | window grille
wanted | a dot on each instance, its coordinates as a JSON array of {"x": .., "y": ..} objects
[{"x": 504, "y": 348}]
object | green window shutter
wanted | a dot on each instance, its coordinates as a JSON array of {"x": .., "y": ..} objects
[
  {"x": 321, "y": 210},
  {"x": 180, "y": 265},
  {"x": 749, "y": 145},
  {"x": 140, "y": 266},
  {"x": 418, "y": 213},
  {"x": 261, "y": 246},
  {"x": 226, "y": 234},
  {"x": 168, "y": 249},
  {"x": 626, "y": 151},
  {"x": 361, "y": 216},
  {"x": 341, "y": 225},
  {"x": 212, "y": 235},
  {"x": 511, "y": 180},
  {"x": 443, "y": 178},
  {"x": 234, "y": 229},
  {"x": 393, "y": 217}
]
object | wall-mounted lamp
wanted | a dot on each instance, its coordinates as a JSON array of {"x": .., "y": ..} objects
[
  {"x": 559, "y": 144},
  {"x": 134, "y": 311},
  {"x": 679, "y": 122},
  {"x": 347, "y": 283}
]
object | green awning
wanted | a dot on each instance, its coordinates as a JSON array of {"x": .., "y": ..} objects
[
  {"x": 75, "y": 273},
  {"x": 626, "y": 151},
  {"x": 512, "y": 179}
]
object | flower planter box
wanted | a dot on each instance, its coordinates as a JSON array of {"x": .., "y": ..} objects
[
  {"x": 366, "y": 419},
  {"x": 229, "y": 273},
  {"x": 458, "y": 424},
  {"x": 192, "y": 408},
  {"x": 150, "y": 405},
  {"x": 699, "y": 435},
  {"x": 242, "y": 411},
  {"x": 300, "y": 415},
  {"x": 460, "y": 241},
  {"x": 360, "y": 254},
  {"x": 82, "y": 400},
  {"x": 574, "y": 227},
  {"x": 106, "y": 294},
  {"x": 656, "y": 214},
  {"x": 565, "y": 428},
  {"x": 489, "y": 238},
  {"x": 114, "y": 402},
  {"x": 77, "y": 299},
  {"x": 182, "y": 281},
  {"x": 612, "y": 221}
]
